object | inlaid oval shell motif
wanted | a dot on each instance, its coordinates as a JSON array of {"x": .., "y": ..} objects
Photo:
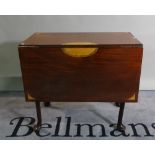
[{"x": 78, "y": 51}]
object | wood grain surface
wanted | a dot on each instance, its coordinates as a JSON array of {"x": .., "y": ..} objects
[
  {"x": 110, "y": 75},
  {"x": 101, "y": 39}
]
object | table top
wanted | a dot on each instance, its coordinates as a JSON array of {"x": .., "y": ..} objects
[{"x": 83, "y": 39}]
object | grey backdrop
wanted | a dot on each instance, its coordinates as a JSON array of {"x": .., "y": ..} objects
[{"x": 14, "y": 29}]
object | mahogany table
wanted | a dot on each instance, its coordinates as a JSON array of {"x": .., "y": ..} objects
[{"x": 87, "y": 67}]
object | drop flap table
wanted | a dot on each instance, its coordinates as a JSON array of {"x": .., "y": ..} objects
[{"x": 81, "y": 67}]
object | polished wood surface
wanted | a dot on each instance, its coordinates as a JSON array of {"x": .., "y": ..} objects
[
  {"x": 101, "y": 39},
  {"x": 111, "y": 74}
]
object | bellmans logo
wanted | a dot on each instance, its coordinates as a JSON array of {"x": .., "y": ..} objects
[{"x": 26, "y": 123}]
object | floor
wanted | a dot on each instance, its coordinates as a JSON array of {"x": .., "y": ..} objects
[{"x": 76, "y": 120}]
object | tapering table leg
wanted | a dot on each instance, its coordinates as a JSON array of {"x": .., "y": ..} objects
[
  {"x": 120, "y": 126},
  {"x": 39, "y": 117},
  {"x": 47, "y": 104},
  {"x": 117, "y": 104}
]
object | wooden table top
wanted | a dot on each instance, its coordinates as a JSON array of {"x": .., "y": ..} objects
[{"x": 95, "y": 39}]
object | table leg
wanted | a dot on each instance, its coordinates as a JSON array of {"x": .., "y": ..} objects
[
  {"x": 39, "y": 121},
  {"x": 120, "y": 126},
  {"x": 117, "y": 104},
  {"x": 47, "y": 104}
]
